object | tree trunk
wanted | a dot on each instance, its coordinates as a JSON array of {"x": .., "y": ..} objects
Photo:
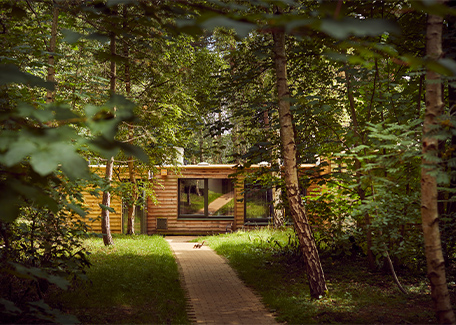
[
  {"x": 134, "y": 196},
  {"x": 314, "y": 270},
  {"x": 105, "y": 223},
  {"x": 278, "y": 219},
  {"x": 131, "y": 161},
  {"x": 50, "y": 95},
  {"x": 429, "y": 212}
]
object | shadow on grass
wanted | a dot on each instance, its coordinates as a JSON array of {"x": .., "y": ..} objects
[
  {"x": 135, "y": 281},
  {"x": 355, "y": 295}
]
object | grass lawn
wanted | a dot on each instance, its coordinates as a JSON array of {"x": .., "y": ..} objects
[
  {"x": 135, "y": 281},
  {"x": 355, "y": 294}
]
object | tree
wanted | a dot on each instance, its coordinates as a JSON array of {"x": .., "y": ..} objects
[
  {"x": 314, "y": 270},
  {"x": 429, "y": 209},
  {"x": 105, "y": 224},
  {"x": 42, "y": 164},
  {"x": 52, "y": 46}
]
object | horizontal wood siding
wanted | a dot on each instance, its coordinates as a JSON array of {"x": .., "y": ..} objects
[
  {"x": 93, "y": 218},
  {"x": 166, "y": 190},
  {"x": 166, "y": 206}
]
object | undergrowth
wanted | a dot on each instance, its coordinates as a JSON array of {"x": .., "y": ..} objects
[{"x": 270, "y": 262}]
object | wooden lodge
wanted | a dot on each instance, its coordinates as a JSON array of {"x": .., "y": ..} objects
[{"x": 192, "y": 200}]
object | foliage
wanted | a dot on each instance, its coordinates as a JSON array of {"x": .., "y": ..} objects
[
  {"x": 391, "y": 168},
  {"x": 42, "y": 248},
  {"x": 42, "y": 149},
  {"x": 199, "y": 75},
  {"x": 335, "y": 230}
]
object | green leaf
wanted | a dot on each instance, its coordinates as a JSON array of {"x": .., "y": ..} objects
[
  {"x": 73, "y": 165},
  {"x": 58, "y": 281},
  {"x": 9, "y": 203},
  {"x": 44, "y": 161},
  {"x": 18, "y": 151},
  {"x": 106, "y": 148},
  {"x": 449, "y": 66},
  {"x": 70, "y": 36},
  {"x": 37, "y": 273},
  {"x": 242, "y": 28},
  {"x": 433, "y": 7},
  {"x": 106, "y": 128},
  {"x": 342, "y": 29},
  {"x": 98, "y": 37},
  {"x": 42, "y": 115},
  {"x": 104, "y": 207},
  {"x": 111, "y": 3},
  {"x": 18, "y": 12},
  {"x": 77, "y": 209},
  {"x": 336, "y": 56},
  {"x": 12, "y": 74},
  {"x": 135, "y": 151},
  {"x": 9, "y": 307},
  {"x": 63, "y": 113}
]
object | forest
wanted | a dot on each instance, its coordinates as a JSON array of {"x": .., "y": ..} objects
[{"x": 367, "y": 86}]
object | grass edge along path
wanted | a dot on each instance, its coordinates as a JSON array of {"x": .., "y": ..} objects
[
  {"x": 355, "y": 294},
  {"x": 135, "y": 281}
]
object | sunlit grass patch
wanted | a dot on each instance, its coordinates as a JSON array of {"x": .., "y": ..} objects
[
  {"x": 266, "y": 260},
  {"x": 134, "y": 281}
]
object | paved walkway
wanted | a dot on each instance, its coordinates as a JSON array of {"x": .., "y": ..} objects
[{"x": 216, "y": 294}]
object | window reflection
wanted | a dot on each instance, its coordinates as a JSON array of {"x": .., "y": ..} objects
[
  {"x": 206, "y": 198},
  {"x": 220, "y": 197},
  {"x": 258, "y": 203}
]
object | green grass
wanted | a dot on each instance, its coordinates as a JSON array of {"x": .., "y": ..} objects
[
  {"x": 135, "y": 281},
  {"x": 355, "y": 294}
]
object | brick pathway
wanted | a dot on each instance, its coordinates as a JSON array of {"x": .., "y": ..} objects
[{"x": 216, "y": 295}]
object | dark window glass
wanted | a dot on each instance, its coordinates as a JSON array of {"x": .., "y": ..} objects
[
  {"x": 192, "y": 197},
  {"x": 258, "y": 203},
  {"x": 206, "y": 197}
]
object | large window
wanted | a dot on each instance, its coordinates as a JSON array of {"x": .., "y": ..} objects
[
  {"x": 258, "y": 204},
  {"x": 206, "y": 198}
]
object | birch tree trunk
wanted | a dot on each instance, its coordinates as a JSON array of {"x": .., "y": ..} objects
[
  {"x": 131, "y": 159},
  {"x": 134, "y": 196},
  {"x": 278, "y": 219},
  {"x": 315, "y": 275},
  {"x": 429, "y": 211},
  {"x": 105, "y": 222},
  {"x": 50, "y": 95}
]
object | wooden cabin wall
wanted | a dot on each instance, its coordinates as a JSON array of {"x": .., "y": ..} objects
[
  {"x": 93, "y": 219},
  {"x": 166, "y": 191},
  {"x": 166, "y": 208}
]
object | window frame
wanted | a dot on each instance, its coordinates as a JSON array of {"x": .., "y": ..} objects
[
  {"x": 270, "y": 206},
  {"x": 206, "y": 215}
]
